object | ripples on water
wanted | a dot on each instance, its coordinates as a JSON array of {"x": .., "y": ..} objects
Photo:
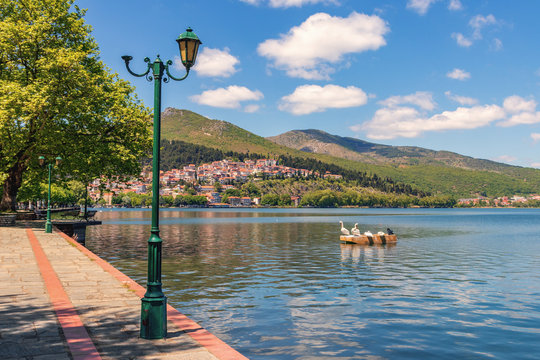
[{"x": 277, "y": 284}]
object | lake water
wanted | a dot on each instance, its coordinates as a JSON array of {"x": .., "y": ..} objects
[{"x": 278, "y": 284}]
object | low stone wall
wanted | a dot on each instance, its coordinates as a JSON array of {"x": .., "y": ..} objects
[
  {"x": 75, "y": 229},
  {"x": 7, "y": 219},
  {"x": 26, "y": 215}
]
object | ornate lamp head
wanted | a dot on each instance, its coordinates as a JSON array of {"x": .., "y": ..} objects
[{"x": 188, "y": 43}]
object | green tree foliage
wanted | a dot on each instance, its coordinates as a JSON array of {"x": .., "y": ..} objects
[
  {"x": 189, "y": 188},
  {"x": 137, "y": 200},
  {"x": 190, "y": 200},
  {"x": 166, "y": 200},
  {"x": 270, "y": 200},
  {"x": 233, "y": 192},
  {"x": 285, "y": 200},
  {"x": 70, "y": 192},
  {"x": 251, "y": 190},
  {"x": 438, "y": 201},
  {"x": 58, "y": 99},
  {"x": 331, "y": 198},
  {"x": 175, "y": 154},
  {"x": 362, "y": 178},
  {"x": 218, "y": 187}
]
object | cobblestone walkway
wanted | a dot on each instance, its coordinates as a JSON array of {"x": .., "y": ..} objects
[{"x": 108, "y": 307}]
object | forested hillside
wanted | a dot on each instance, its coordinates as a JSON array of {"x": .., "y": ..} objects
[
  {"x": 176, "y": 154},
  {"x": 436, "y": 172}
]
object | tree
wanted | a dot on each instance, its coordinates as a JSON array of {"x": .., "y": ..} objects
[
  {"x": 167, "y": 200},
  {"x": 233, "y": 192},
  {"x": 218, "y": 187},
  {"x": 284, "y": 200},
  {"x": 58, "y": 99},
  {"x": 270, "y": 199},
  {"x": 251, "y": 190},
  {"x": 126, "y": 200}
]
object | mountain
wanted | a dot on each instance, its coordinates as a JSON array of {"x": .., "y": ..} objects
[
  {"x": 320, "y": 142},
  {"x": 191, "y": 127},
  {"x": 432, "y": 171}
]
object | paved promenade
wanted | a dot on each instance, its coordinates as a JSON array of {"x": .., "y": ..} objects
[{"x": 60, "y": 301}]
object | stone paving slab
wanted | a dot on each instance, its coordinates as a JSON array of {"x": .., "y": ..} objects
[
  {"x": 28, "y": 325},
  {"x": 108, "y": 308}
]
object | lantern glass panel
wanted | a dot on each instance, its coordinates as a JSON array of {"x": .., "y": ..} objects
[
  {"x": 195, "y": 51},
  {"x": 190, "y": 51},
  {"x": 183, "y": 54}
]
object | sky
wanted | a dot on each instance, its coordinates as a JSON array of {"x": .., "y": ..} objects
[{"x": 456, "y": 75}]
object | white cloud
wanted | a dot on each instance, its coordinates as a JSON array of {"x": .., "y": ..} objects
[
  {"x": 420, "y": 6},
  {"x": 524, "y": 118},
  {"x": 455, "y": 5},
  {"x": 215, "y": 62},
  {"x": 395, "y": 120},
  {"x": 252, "y": 108},
  {"x": 497, "y": 45},
  {"x": 289, "y": 3},
  {"x": 389, "y": 123},
  {"x": 535, "y": 165},
  {"x": 515, "y": 104},
  {"x": 521, "y": 111},
  {"x": 462, "y": 100},
  {"x": 458, "y": 74},
  {"x": 423, "y": 99},
  {"x": 505, "y": 158},
  {"x": 465, "y": 118},
  {"x": 478, "y": 22},
  {"x": 462, "y": 40},
  {"x": 229, "y": 98},
  {"x": 308, "y": 99},
  {"x": 307, "y": 50}
]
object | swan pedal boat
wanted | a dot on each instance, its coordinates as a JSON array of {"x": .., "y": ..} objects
[{"x": 369, "y": 240}]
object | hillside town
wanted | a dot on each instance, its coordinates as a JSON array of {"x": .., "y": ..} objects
[{"x": 206, "y": 176}]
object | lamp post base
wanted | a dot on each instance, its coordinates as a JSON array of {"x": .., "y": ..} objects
[
  {"x": 48, "y": 227},
  {"x": 153, "y": 318}
]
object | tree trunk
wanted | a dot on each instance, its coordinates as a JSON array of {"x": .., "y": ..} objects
[{"x": 11, "y": 186}]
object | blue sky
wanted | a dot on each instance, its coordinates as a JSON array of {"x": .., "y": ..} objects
[{"x": 457, "y": 75}]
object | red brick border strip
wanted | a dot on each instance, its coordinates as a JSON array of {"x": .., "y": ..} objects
[
  {"x": 79, "y": 342},
  {"x": 213, "y": 344}
]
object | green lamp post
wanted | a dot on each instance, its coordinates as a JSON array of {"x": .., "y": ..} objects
[
  {"x": 154, "y": 302},
  {"x": 48, "y": 223}
]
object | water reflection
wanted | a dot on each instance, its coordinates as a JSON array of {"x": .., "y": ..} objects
[
  {"x": 279, "y": 285},
  {"x": 364, "y": 253}
]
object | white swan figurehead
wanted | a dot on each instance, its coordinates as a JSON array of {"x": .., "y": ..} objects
[
  {"x": 343, "y": 230},
  {"x": 368, "y": 233}
]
